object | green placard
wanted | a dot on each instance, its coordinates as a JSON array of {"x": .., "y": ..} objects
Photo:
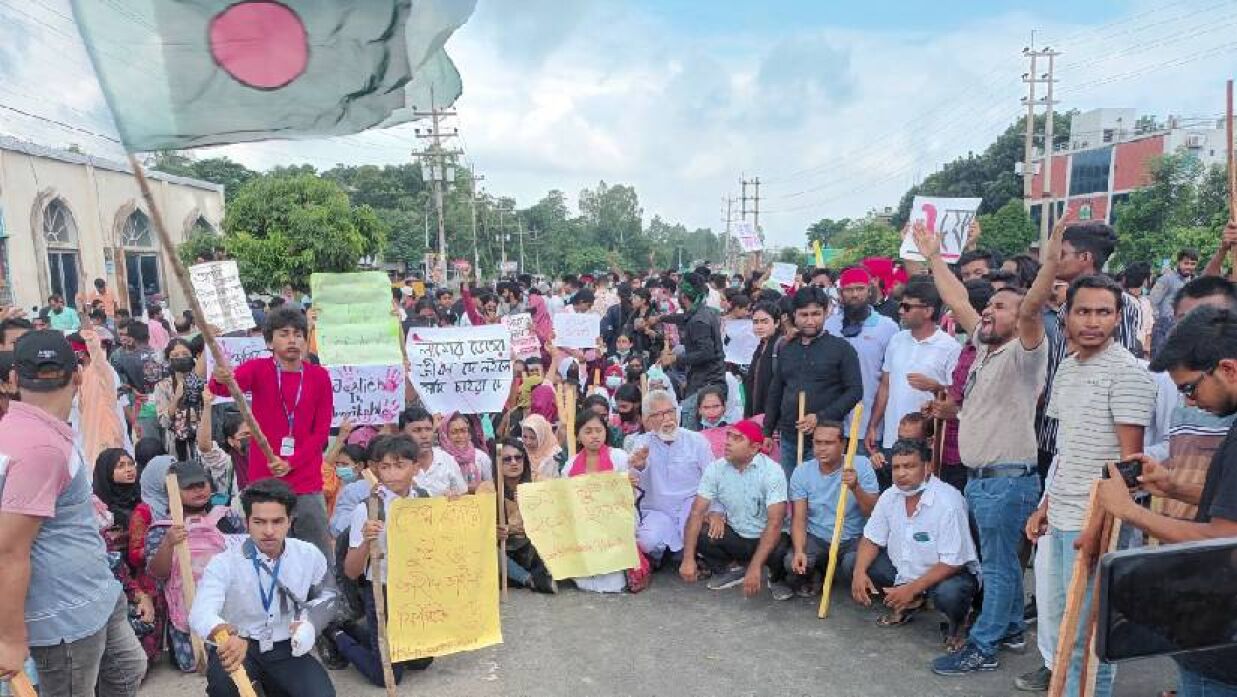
[{"x": 355, "y": 325}]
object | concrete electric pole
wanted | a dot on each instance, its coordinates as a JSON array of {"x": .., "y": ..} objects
[{"x": 436, "y": 170}]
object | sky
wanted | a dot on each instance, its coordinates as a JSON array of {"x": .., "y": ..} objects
[{"x": 838, "y": 107}]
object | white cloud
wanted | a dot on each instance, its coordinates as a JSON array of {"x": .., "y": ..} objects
[{"x": 561, "y": 95}]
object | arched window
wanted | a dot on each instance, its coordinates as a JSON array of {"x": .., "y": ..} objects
[
  {"x": 141, "y": 263},
  {"x": 60, "y": 235},
  {"x": 201, "y": 227},
  {"x": 136, "y": 233}
]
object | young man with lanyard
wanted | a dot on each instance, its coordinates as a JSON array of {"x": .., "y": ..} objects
[
  {"x": 293, "y": 405},
  {"x": 270, "y": 595}
]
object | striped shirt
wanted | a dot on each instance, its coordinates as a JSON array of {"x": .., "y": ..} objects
[
  {"x": 1129, "y": 331},
  {"x": 1090, "y": 398}
]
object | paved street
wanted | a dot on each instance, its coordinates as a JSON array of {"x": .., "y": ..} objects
[{"x": 684, "y": 640}]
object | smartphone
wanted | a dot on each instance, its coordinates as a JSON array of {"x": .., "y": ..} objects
[{"x": 1130, "y": 471}]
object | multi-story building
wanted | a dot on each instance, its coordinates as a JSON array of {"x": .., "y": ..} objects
[{"x": 1109, "y": 156}]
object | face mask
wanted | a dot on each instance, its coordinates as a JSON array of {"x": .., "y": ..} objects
[
  {"x": 707, "y": 423},
  {"x": 614, "y": 381},
  {"x": 182, "y": 365},
  {"x": 346, "y": 474},
  {"x": 912, "y": 492}
]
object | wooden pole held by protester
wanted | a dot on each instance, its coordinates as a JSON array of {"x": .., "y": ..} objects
[
  {"x": 802, "y": 413},
  {"x": 22, "y": 686},
  {"x": 240, "y": 676},
  {"x": 377, "y": 586},
  {"x": 1090, "y": 667},
  {"x": 569, "y": 404},
  {"x": 1075, "y": 596},
  {"x": 500, "y": 482},
  {"x": 839, "y": 518},
  {"x": 188, "y": 584},
  {"x": 199, "y": 317},
  {"x": 1232, "y": 166}
]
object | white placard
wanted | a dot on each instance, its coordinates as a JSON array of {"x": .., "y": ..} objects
[
  {"x": 524, "y": 341},
  {"x": 748, "y": 237},
  {"x": 464, "y": 369},
  {"x": 740, "y": 341},
  {"x": 949, "y": 218},
  {"x": 217, "y": 284},
  {"x": 367, "y": 394},
  {"x": 578, "y": 331},
  {"x": 238, "y": 349},
  {"x": 782, "y": 276}
]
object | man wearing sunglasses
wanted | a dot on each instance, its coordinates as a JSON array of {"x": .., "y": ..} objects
[{"x": 867, "y": 331}]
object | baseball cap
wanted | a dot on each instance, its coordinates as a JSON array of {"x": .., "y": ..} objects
[
  {"x": 188, "y": 473},
  {"x": 750, "y": 430},
  {"x": 42, "y": 351}
]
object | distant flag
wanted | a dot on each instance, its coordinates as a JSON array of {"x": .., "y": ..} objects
[
  {"x": 820, "y": 256},
  {"x": 187, "y": 73}
]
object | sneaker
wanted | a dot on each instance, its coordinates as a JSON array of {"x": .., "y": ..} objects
[
  {"x": 1037, "y": 680},
  {"x": 1016, "y": 642},
  {"x": 781, "y": 591},
  {"x": 728, "y": 579},
  {"x": 328, "y": 652},
  {"x": 1030, "y": 612},
  {"x": 968, "y": 659}
]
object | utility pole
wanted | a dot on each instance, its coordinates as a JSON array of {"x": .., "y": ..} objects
[
  {"x": 520, "y": 221},
  {"x": 1028, "y": 169},
  {"x": 743, "y": 200},
  {"x": 756, "y": 202},
  {"x": 726, "y": 236},
  {"x": 1048, "y": 207},
  {"x": 476, "y": 250},
  {"x": 435, "y": 168}
]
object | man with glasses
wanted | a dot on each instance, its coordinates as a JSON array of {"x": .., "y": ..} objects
[
  {"x": 1103, "y": 399},
  {"x": 670, "y": 461},
  {"x": 867, "y": 331},
  {"x": 919, "y": 362}
]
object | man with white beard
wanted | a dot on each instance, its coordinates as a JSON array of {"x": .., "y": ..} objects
[{"x": 670, "y": 461}]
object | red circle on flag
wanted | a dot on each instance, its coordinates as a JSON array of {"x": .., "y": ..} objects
[{"x": 261, "y": 44}]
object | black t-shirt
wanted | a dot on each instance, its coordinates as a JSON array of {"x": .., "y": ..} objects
[{"x": 1218, "y": 500}]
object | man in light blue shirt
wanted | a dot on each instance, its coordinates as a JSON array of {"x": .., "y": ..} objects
[
  {"x": 61, "y": 317},
  {"x": 814, "y": 489}
]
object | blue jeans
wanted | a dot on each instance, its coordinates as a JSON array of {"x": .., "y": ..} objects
[
  {"x": 516, "y": 574},
  {"x": 366, "y": 657},
  {"x": 1062, "y": 554},
  {"x": 1191, "y": 684},
  {"x": 789, "y": 456},
  {"x": 1001, "y": 506}
]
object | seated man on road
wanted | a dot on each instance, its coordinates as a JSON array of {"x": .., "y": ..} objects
[
  {"x": 751, "y": 489},
  {"x": 814, "y": 489},
  {"x": 917, "y": 545}
]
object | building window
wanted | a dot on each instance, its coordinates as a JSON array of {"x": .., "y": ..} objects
[
  {"x": 136, "y": 233},
  {"x": 60, "y": 234},
  {"x": 141, "y": 263},
  {"x": 59, "y": 228},
  {"x": 1089, "y": 171},
  {"x": 201, "y": 227}
]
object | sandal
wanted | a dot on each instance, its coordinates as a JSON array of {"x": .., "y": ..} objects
[{"x": 895, "y": 618}]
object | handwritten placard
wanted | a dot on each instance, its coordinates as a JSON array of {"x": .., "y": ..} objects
[
  {"x": 578, "y": 331},
  {"x": 355, "y": 325},
  {"x": 782, "y": 276},
  {"x": 217, "y": 285},
  {"x": 238, "y": 349},
  {"x": 442, "y": 591},
  {"x": 581, "y": 526},
  {"x": 949, "y": 218},
  {"x": 524, "y": 342},
  {"x": 464, "y": 369},
  {"x": 740, "y": 341},
  {"x": 367, "y": 394},
  {"x": 748, "y": 237}
]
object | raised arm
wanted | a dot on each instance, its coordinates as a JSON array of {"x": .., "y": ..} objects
[
  {"x": 1031, "y": 311},
  {"x": 953, "y": 293}
]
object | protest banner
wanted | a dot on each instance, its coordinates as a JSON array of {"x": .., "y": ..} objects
[
  {"x": 218, "y": 287},
  {"x": 442, "y": 585},
  {"x": 782, "y": 276},
  {"x": 367, "y": 394},
  {"x": 740, "y": 341},
  {"x": 524, "y": 342},
  {"x": 949, "y": 218},
  {"x": 748, "y": 237},
  {"x": 355, "y": 324},
  {"x": 581, "y": 526},
  {"x": 578, "y": 331},
  {"x": 464, "y": 369},
  {"x": 238, "y": 349}
]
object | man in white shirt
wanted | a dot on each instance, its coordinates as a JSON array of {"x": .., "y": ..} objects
[
  {"x": 867, "y": 331},
  {"x": 268, "y": 597},
  {"x": 437, "y": 472},
  {"x": 917, "y": 545},
  {"x": 919, "y": 361}
]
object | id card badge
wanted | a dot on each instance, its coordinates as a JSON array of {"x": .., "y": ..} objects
[
  {"x": 265, "y": 641},
  {"x": 287, "y": 446}
]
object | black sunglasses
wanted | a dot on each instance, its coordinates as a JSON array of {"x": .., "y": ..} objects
[{"x": 1190, "y": 388}]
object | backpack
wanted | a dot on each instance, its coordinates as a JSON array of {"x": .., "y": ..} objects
[{"x": 205, "y": 540}]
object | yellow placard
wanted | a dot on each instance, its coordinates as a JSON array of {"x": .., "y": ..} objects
[
  {"x": 581, "y": 526},
  {"x": 442, "y": 583}
]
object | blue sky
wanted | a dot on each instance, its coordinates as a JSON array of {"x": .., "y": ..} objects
[{"x": 839, "y": 107}]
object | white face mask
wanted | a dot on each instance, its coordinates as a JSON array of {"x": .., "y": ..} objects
[
  {"x": 614, "y": 381},
  {"x": 913, "y": 492}
]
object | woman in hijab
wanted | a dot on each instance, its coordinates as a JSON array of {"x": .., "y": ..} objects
[
  {"x": 544, "y": 452},
  {"x": 455, "y": 437},
  {"x": 524, "y": 565},
  {"x": 115, "y": 483}
]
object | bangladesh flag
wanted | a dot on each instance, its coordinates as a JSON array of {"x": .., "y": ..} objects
[{"x": 187, "y": 73}]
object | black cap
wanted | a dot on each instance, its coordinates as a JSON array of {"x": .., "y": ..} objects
[
  {"x": 584, "y": 295},
  {"x": 188, "y": 473},
  {"x": 41, "y": 351}
]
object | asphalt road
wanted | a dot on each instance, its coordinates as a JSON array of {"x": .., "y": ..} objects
[{"x": 680, "y": 640}]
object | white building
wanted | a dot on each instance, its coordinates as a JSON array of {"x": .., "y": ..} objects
[{"x": 67, "y": 219}]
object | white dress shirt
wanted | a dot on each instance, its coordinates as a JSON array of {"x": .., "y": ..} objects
[{"x": 938, "y": 532}]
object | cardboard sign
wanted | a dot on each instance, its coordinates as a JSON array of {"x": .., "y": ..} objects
[
  {"x": 442, "y": 589},
  {"x": 748, "y": 238},
  {"x": 782, "y": 276},
  {"x": 217, "y": 285},
  {"x": 578, "y": 331},
  {"x": 367, "y": 394},
  {"x": 740, "y": 342},
  {"x": 524, "y": 341},
  {"x": 581, "y": 526},
  {"x": 464, "y": 369},
  {"x": 238, "y": 349},
  {"x": 949, "y": 218},
  {"x": 355, "y": 323}
]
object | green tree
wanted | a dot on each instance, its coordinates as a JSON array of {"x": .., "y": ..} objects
[
  {"x": 826, "y": 230},
  {"x": 1009, "y": 230},
  {"x": 1184, "y": 206},
  {"x": 281, "y": 229},
  {"x": 219, "y": 170},
  {"x": 200, "y": 245},
  {"x": 791, "y": 255},
  {"x": 869, "y": 238}
]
